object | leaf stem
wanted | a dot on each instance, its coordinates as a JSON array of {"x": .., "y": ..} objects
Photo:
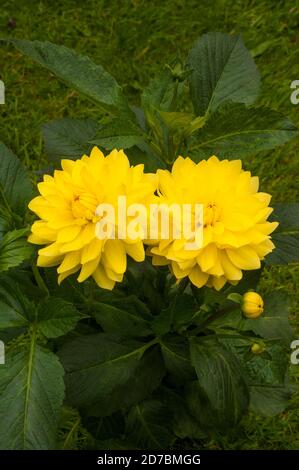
[
  {"x": 29, "y": 379},
  {"x": 71, "y": 432},
  {"x": 213, "y": 317},
  {"x": 39, "y": 280}
]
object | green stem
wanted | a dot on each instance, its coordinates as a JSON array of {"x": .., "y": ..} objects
[
  {"x": 214, "y": 317},
  {"x": 149, "y": 344},
  {"x": 39, "y": 280},
  {"x": 71, "y": 432},
  {"x": 29, "y": 378}
]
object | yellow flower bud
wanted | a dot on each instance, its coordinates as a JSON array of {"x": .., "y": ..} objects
[
  {"x": 252, "y": 305},
  {"x": 257, "y": 348}
]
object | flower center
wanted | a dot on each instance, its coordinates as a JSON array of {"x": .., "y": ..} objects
[
  {"x": 84, "y": 206},
  {"x": 211, "y": 214}
]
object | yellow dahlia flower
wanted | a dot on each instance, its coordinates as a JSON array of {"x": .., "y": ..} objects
[
  {"x": 67, "y": 210},
  {"x": 235, "y": 228}
]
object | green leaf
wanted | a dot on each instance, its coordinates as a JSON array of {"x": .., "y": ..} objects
[
  {"x": 286, "y": 236},
  {"x": 145, "y": 379},
  {"x": 234, "y": 131},
  {"x": 119, "y": 321},
  {"x": 97, "y": 364},
  {"x": 221, "y": 378},
  {"x": 15, "y": 186},
  {"x": 177, "y": 121},
  {"x": 32, "y": 390},
  {"x": 143, "y": 153},
  {"x": 14, "y": 249},
  {"x": 119, "y": 133},
  {"x": 184, "y": 424},
  {"x": 223, "y": 70},
  {"x": 231, "y": 320},
  {"x": 286, "y": 249},
  {"x": 11, "y": 318},
  {"x": 176, "y": 357},
  {"x": 148, "y": 425},
  {"x": 16, "y": 310},
  {"x": 11, "y": 293},
  {"x": 68, "y": 137},
  {"x": 70, "y": 289},
  {"x": 177, "y": 315},
  {"x": 5, "y": 221},
  {"x": 56, "y": 317},
  {"x": 78, "y": 71},
  {"x": 107, "y": 427},
  {"x": 274, "y": 322},
  {"x": 160, "y": 91},
  {"x": 185, "y": 312},
  {"x": 162, "y": 323},
  {"x": 267, "y": 368},
  {"x": 268, "y": 400},
  {"x": 287, "y": 214}
]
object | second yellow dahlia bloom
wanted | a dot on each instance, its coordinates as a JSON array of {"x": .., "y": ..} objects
[
  {"x": 235, "y": 231},
  {"x": 67, "y": 210}
]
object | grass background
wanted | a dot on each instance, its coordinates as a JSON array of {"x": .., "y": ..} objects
[{"x": 132, "y": 39}]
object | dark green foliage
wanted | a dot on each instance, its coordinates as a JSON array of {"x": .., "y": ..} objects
[{"x": 152, "y": 362}]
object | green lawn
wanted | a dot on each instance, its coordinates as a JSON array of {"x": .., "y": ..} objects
[{"x": 133, "y": 39}]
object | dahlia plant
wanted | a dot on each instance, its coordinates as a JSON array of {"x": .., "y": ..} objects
[{"x": 136, "y": 341}]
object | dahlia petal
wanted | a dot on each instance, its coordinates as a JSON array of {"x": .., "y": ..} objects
[
  {"x": 70, "y": 260},
  {"x": 41, "y": 207},
  {"x": 67, "y": 165},
  {"x": 102, "y": 279},
  {"x": 88, "y": 269},
  {"x": 115, "y": 256},
  {"x": 61, "y": 220},
  {"x": 96, "y": 155},
  {"x": 254, "y": 184},
  {"x": 159, "y": 260},
  {"x": 51, "y": 250},
  {"x": 136, "y": 251},
  {"x": 85, "y": 236},
  {"x": 197, "y": 277},
  {"x": 267, "y": 227},
  {"x": 32, "y": 238},
  {"x": 66, "y": 274},
  {"x": 92, "y": 250},
  {"x": 113, "y": 275},
  {"x": 178, "y": 272},
  {"x": 218, "y": 282},
  {"x": 263, "y": 215},
  {"x": 208, "y": 257},
  {"x": 67, "y": 234},
  {"x": 244, "y": 258},
  {"x": 48, "y": 262},
  {"x": 265, "y": 198},
  {"x": 42, "y": 230},
  {"x": 264, "y": 248},
  {"x": 231, "y": 272}
]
